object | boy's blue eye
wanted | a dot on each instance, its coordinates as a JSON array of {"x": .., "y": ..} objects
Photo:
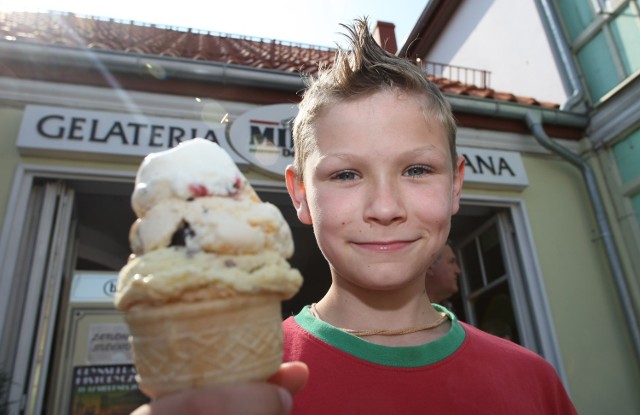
[
  {"x": 417, "y": 171},
  {"x": 345, "y": 175}
]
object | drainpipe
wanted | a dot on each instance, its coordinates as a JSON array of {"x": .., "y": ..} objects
[
  {"x": 534, "y": 121},
  {"x": 562, "y": 53}
]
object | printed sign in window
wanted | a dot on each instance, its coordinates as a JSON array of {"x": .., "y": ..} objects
[
  {"x": 105, "y": 390},
  {"x": 109, "y": 344}
]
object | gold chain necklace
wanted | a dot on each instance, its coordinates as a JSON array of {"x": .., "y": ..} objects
[{"x": 382, "y": 332}]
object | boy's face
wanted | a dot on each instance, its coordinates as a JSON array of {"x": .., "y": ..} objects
[{"x": 379, "y": 190}]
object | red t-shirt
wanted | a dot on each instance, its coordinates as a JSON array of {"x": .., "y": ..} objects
[{"x": 465, "y": 372}]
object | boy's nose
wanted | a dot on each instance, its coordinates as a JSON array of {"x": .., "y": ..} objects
[{"x": 385, "y": 204}]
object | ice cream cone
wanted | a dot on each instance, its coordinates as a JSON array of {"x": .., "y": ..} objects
[
  {"x": 202, "y": 289},
  {"x": 185, "y": 345}
]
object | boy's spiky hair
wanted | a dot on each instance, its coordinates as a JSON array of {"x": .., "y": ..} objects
[{"x": 364, "y": 68}]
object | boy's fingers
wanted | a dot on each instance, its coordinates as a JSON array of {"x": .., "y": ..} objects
[
  {"x": 245, "y": 399},
  {"x": 273, "y": 398},
  {"x": 292, "y": 376}
]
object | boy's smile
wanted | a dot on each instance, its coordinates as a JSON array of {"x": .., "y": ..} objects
[{"x": 379, "y": 190}]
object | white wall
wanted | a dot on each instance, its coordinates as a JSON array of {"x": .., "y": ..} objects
[{"x": 507, "y": 38}]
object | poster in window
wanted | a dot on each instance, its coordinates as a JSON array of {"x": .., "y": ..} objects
[{"x": 105, "y": 390}]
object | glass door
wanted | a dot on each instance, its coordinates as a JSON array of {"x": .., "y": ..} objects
[
  {"x": 489, "y": 267},
  {"x": 43, "y": 260}
]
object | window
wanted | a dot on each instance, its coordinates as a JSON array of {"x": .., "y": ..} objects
[
  {"x": 486, "y": 291},
  {"x": 598, "y": 66},
  {"x": 627, "y": 154},
  {"x": 635, "y": 201},
  {"x": 576, "y": 15},
  {"x": 625, "y": 29},
  {"x": 603, "y": 35}
]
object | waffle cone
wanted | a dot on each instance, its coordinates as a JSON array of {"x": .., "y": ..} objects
[{"x": 191, "y": 345}]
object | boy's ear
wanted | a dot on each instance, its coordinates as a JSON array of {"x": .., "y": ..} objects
[
  {"x": 458, "y": 179},
  {"x": 298, "y": 194}
]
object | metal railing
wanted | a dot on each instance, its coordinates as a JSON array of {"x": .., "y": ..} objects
[{"x": 468, "y": 76}]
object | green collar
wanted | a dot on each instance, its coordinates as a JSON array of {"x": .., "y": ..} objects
[{"x": 409, "y": 356}]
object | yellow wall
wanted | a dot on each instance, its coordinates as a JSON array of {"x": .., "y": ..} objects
[
  {"x": 590, "y": 326},
  {"x": 10, "y": 121}
]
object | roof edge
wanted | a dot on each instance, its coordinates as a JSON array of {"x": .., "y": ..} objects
[
  {"x": 424, "y": 34},
  {"x": 145, "y": 64},
  {"x": 516, "y": 111}
]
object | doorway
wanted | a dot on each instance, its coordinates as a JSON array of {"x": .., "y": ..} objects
[{"x": 486, "y": 298}]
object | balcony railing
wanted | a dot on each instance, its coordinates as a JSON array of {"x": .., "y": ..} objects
[{"x": 468, "y": 76}]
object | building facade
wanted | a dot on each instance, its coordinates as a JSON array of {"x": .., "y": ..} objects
[{"x": 83, "y": 100}]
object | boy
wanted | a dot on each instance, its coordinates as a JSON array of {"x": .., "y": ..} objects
[{"x": 376, "y": 174}]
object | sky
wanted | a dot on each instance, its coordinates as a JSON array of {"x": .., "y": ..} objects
[{"x": 301, "y": 21}]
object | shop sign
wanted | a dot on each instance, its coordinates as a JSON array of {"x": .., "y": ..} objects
[
  {"x": 99, "y": 287},
  {"x": 79, "y": 132},
  {"x": 260, "y": 137},
  {"x": 263, "y": 137},
  {"x": 493, "y": 168}
]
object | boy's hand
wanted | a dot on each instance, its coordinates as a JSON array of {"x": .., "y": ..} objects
[{"x": 272, "y": 398}]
